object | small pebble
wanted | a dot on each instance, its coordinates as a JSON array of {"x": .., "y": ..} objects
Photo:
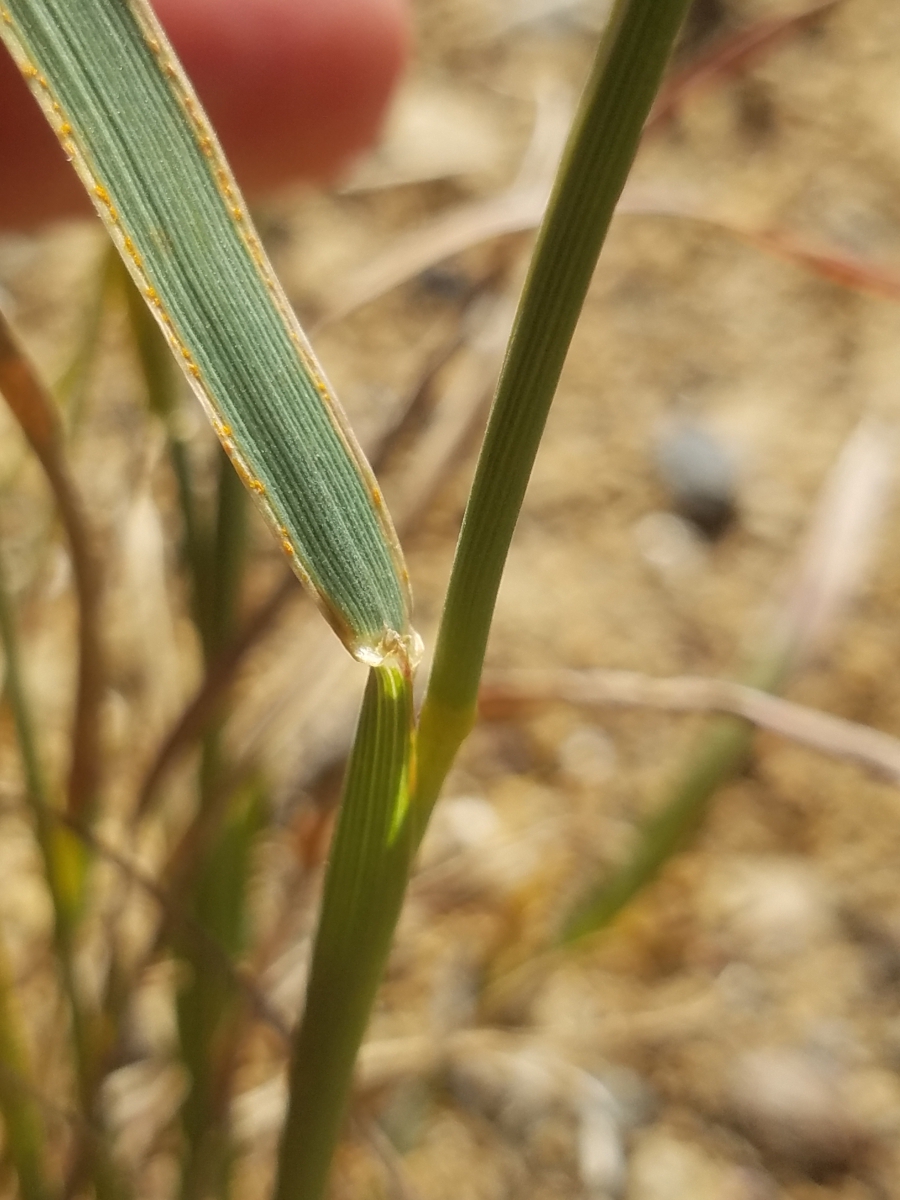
[
  {"x": 600, "y": 1148},
  {"x": 794, "y": 1106},
  {"x": 671, "y": 545},
  {"x": 516, "y": 1089},
  {"x": 699, "y": 475},
  {"x": 462, "y": 853},
  {"x": 445, "y": 283},
  {"x": 460, "y": 824},
  {"x": 555, "y": 1109},
  {"x": 138, "y": 1102},
  {"x": 588, "y": 756},
  {"x": 456, "y": 984},
  {"x": 766, "y": 909},
  {"x": 665, "y": 1167}
]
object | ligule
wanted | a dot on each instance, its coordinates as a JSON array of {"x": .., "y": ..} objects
[{"x": 135, "y": 132}]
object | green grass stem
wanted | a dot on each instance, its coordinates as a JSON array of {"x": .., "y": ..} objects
[
  {"x": 625, "y": 77},
  {"x": 34, "y": 410},
  {"x": 161, "y": 382},
  {"x": 719, "y": 754},
  {"x": 229, "y": 556},
  {"x": 365, "y": 881},
  {"x": 71, "y": 388},
  {"x": 210, "y": 1005},
  {"x": 210, "y": 1008},
  {"x": 63, "y": 861},
  {"x": 22, "y": 1120}
]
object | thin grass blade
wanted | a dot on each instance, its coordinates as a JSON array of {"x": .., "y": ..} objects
[
  {"x": 604, "y": 139},
  {"x": 718, "y": 756},
  {"x": 23, "y": 1124},
  {"x": 210, "y": 1004},
  {"x": 34, "y": 410},
  {"x": 127, "y": 117},
  {"x": 63, "y": 862}
]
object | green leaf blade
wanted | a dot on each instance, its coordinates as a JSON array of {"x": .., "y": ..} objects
[{"x": 110, "y": 86}]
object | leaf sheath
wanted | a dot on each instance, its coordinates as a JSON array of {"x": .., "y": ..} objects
[{"x": 364, "y": 886}]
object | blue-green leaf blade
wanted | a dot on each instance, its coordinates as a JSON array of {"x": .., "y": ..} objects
[{"x": 110, "y": 85}]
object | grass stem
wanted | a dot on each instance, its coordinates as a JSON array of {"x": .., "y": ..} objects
[
  {"x": 364, "y": 887},
  {"x": 604, "y": 139},
  {"x": 63, "y": 860},
  {"x": 34, "y": 410},
  {"x": 22, "y": 1121}
]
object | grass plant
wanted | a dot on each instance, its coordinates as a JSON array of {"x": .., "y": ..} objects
[{"x": 150, "y": 162}]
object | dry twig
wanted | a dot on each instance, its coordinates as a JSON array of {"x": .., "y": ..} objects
[
  {"x": 867, "y": 747},
  {"x": 726, "y": 57}
]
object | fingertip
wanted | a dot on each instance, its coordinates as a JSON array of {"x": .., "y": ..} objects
[{"x": 295, "y": 89}]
